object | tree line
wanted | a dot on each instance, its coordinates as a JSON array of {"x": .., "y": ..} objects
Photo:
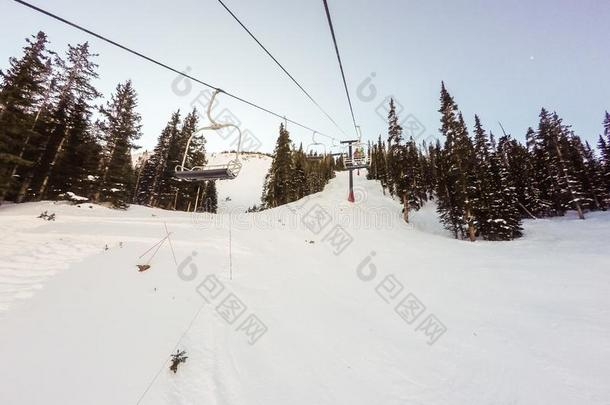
[
  {"x": 56, "y": 143},
  {"x": 483, "y": 186},
  {"x": 294, "y": 172},
  {"x": 156, "y": 185}
]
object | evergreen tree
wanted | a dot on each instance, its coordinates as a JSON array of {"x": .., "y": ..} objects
[
  {"x": 484, "y": 180},
  {"x": 299, "y": 185},
  {"x": 22, "y": 97},
  {"x": 604, "y": 148},
  {"x": 395, "y": 155},
  {"x": 76, "y": 170},
  {"x": 518, "y": 163},
  {"x": 590, "y": 174},
  {"x": 154, "y": 171},
  {"x": 276, "y": 190},
  {"x": 494, "y": 197},
  {"x": 413, "y": 178},
  {"x": 431, "y": 168},
  {"x": 378, "y": 169},
  {"x": 504, "y": 217},
  {"x": 456, "y": 186},
  {"x": 74, "y": 84},
  {"x": 169, "y": 186},
  {"x": 120, "y": 128},
  {"x": 540, "y": 148},
  {"x": 210, "y": 199},
  {"x": 186, "y": 191},
  {"x": 569, "y": 189},
  {"x": 549, "y": 147}
]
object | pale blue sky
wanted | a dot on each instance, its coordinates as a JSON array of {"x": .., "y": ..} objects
[{"x": 502, "y": 60}]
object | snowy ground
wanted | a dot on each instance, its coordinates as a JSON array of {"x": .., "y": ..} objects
[
  {"x": 523, "y": 322},
  {"x": 245, "y": 191}
]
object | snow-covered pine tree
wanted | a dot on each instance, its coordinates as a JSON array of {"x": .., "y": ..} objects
[
  {"x": 455, "y": 188},
  {"x": 595, "y": 175},
  {"x": 569, "y": 191},
  {"x": 518, "y": 162},
  {"x": 446, "y": 205},
  {"x": 483, "y": 185},
  {"x": 22, "y": 100},
  {"x": 120, "y": 128},
  {"x": 547, "y": 173},
  {"x": 589, "y": 172},
  {"x": 503, "y": 218}
]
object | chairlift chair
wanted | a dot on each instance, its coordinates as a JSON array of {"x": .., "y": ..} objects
[
  {"x": 358, "y": 159},
  {"x": 333, "y": 149},
  {"x": 227, "y": 171},
  {"x": 312, "y": 153}
]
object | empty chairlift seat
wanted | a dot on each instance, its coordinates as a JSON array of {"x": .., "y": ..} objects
[
  {"x": 210, "y": 172},
  {"x": 227, "y": 171}
]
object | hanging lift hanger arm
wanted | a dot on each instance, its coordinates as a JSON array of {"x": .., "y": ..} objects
[{"x": 215, "y": 126}]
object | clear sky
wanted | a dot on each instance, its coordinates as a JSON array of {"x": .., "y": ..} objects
[{"x": 503, "y": 60}]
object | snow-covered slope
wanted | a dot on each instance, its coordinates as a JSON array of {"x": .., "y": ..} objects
[
  {"x": 245, "y": 191},
  {"x": 526, "y": 321}
]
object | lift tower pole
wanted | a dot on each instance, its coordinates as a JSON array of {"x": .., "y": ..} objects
[{"x": 352, "y": 164}]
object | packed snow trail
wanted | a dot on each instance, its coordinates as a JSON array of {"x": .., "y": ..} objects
[{"x": 526, "y": 321}]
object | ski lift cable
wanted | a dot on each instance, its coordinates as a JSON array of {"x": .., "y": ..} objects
[
  {"x": 334, "y": 38},
  {"x": 165, "y": 66},
  {"x": 309, "y": 96}
]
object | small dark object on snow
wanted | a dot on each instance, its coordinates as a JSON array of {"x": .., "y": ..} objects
[
  {"x": 45, "y": 215},
  {"x": 177, "y": 358},
  {"x": 143, "y": 267}
]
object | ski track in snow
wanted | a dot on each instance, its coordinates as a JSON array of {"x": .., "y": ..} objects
[
  {"x": 27, "y": 260},
  {"x": 527, "y": 320}
]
